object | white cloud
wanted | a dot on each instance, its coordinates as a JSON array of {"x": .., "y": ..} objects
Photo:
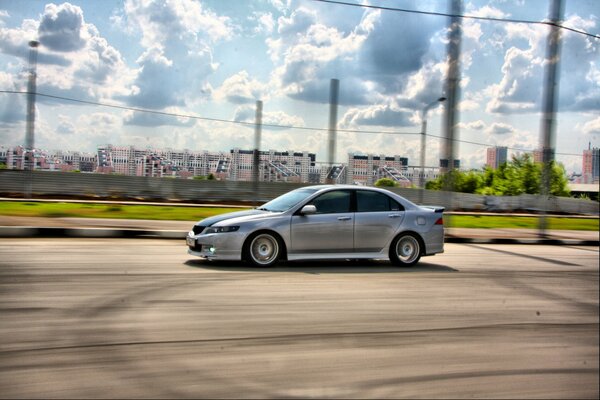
[
  {"x": 279, "y": 119},
  {"x": 176, "y": 35},
  {"x": 265, "y": 23},
  {"x": 184, "y": 23},
  {"x": 500, "y": 128},
  {"x": 155, "y": 120},
  {"x": 592, "y": 127},
  {"x": 62, "y": 28},
  {"x": 241, "y": 89},
  {"x": 473, "y": 125},
  {"x": 378, "y": 115},
  {"x": 520, "y": 89}
]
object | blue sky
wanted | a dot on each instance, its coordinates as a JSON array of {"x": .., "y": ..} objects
[{"x": 214, "y": 59}]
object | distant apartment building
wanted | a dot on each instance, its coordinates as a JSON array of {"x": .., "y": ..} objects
[
  {"x": 591, "y": 165},
  {"x": 496, "y": 156},
  {"x": 237, "y": 165},
  {"x": 274, "y": 166},
  {"x": 367, "y": 169},
  {"x": 17, "y": 158}
]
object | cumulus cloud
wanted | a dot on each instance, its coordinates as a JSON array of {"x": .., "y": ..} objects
[
  {"x": 12, "y": 109},
  {"x": 265, "y": 23},
  {"x": 278, "y": 119},
  {"x": 310, "y": 53},
  {"x": 473, "y": 125},
  {"x": 520, "y": 89},
  {"x": 381, "y": 58},
  {"x": 73, "y": 59},
  {"x": 378, "y": 115},
  {"x": 500, "y": 128},
  {"x": 154, "y": 120},
  {"x": 65, "y": 126},
  {"x": 592, "y": 127},
  {"x": 61, "y": 28},
  {"x": 241, "y": 89},
  {"x": 175, "y": 35}
]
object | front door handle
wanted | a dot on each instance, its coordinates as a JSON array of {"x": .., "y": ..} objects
[{"x": 344, "y": 218}]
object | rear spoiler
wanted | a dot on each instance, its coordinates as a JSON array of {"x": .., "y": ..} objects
[{"x": 437, "y": 209}]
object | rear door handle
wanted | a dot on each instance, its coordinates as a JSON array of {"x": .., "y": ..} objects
[
  {"x": 344, "y": 218},
  {"x": 394, "y": 215}
]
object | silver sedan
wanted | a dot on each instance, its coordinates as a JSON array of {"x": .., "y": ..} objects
[{"x": 323, "y": 222}]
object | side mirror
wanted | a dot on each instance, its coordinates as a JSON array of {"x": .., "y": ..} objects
[{"x": 308, "y": 210}]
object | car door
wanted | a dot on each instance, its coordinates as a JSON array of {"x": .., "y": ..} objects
[
  {"x": 377, "y": 219},
  {"x": 330, "y": 230}
]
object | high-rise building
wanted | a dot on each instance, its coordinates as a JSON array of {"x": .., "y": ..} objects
[
  {"x": 274, "y": 166},
  {"x": 367, "y": 169},
  {"x": 591, "y": 165},
  {"x": 496, "y": 156}
]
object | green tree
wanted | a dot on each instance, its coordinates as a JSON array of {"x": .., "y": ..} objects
[
  {"x": 518, "y": 176},
  {"x": 386, "y": 182},
  {"x": 559, "y": 184}
]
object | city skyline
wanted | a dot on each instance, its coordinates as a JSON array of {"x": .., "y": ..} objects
[
  {"x": 496, "y": 155},
  {"x": 198, "y": 67}
]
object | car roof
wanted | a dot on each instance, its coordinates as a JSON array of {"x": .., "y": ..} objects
[{"x": 342, "y": 186}]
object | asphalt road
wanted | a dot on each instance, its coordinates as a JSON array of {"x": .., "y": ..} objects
[{"x": 139, "y": 318}]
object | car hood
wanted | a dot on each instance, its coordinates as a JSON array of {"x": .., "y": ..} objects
[{"x": 237, "y": 217}]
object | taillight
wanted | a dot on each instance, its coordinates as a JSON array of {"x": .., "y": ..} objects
[{"x": 440, "y": 221}]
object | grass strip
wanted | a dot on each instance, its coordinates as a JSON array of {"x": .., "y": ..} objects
[
  {"x": 174, "y": 213},
  {"x": 117, "y": 211}
]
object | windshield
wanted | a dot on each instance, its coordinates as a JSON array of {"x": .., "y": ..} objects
[{"x": 288, "y": 200}]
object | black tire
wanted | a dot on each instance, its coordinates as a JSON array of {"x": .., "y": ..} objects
[
  {"x": 263, "y": 250},
  {"x": 406, "y": 250}
]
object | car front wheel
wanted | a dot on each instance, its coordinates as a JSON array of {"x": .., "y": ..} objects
[
  {"x": 405, "y": 250},
  {"x": 263, "y": 250}
]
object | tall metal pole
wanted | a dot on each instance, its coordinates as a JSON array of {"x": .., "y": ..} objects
[
  {"x": 31, "y": 88},
  {"x": 423, "y": 137},
  {"x": 453, "y": 93},
  {"x": 548, "y": 128},
  {"x": 29, "y": 161},
  {"x": 334, "y": 88},
  {"x": 257, "y": 139}
]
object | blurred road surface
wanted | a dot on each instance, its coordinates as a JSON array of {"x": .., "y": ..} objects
[
  {"x": 139, "y": 318},
  {"x": 100, "y": 227}
]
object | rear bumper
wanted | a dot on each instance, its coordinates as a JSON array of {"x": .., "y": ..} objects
[{"x": 434, "y": 241}]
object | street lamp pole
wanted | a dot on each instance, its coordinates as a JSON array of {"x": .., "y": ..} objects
[
  {"x": 29, "y": 153},
  {"x": 423, "y": 135},
  {"x": 31, "y": 88}
]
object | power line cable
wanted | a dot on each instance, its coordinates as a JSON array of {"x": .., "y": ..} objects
[
  {"x": 252, "y": 124},
  {"x": 440, "y": 14}
]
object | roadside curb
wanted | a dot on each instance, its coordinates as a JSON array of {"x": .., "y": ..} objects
[
  {"x": 548, "y": 241},
  {"x": 99, "y": 233},
  {"x": 58, "y": 232}
]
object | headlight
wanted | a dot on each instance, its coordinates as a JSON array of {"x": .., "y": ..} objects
[{"x": 220, "y": 229}]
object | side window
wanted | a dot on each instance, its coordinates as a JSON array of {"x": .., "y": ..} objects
[
  {"x": 337, "y": 201},
  {"x": 373, "y": 201}
]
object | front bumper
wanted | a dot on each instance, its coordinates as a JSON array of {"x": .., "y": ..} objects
[{"x": 219, "y": 246}]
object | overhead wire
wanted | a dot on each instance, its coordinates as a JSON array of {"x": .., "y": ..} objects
[
  {"x": 462, "y": 16},
  {"x": 278, "y": 126},
  {"x": 252, "y": 124}
]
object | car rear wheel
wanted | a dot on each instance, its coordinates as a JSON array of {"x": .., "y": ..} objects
[
  {"x": 405, "y": 250},
  {"x": 263, "y": 250}
]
